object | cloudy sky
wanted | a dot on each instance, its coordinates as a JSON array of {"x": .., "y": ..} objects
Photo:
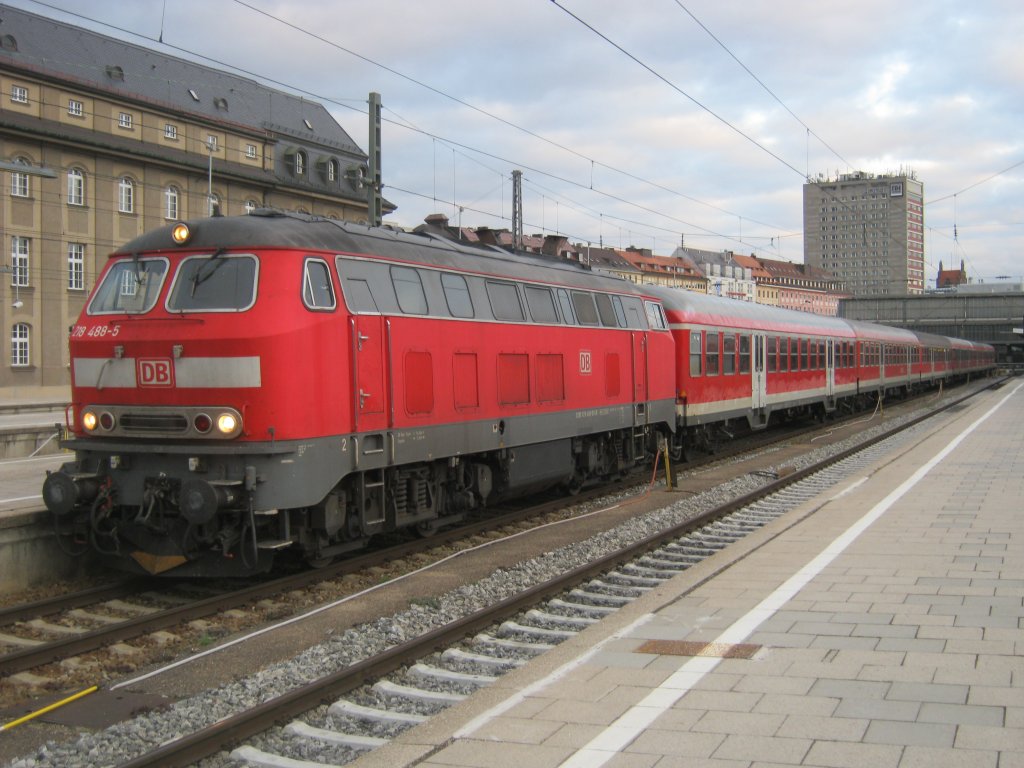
[{"x": 647, "y": 122}]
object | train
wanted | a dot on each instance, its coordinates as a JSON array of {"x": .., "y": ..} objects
[{"x": 279, "y": 385}]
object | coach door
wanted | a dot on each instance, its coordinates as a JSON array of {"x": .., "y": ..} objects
[
  {"x": 368, "y": 353},
  {"x": 759, "y": 375},
  {"x": 830, "y": 368}
]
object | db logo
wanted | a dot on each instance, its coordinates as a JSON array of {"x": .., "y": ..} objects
[
  {"x": 155, "y": 372},
  {"x": 585, "y": 364}
]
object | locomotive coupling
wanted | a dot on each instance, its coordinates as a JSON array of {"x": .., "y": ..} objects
[
  {"x": 200, "y": 500},
  {"x": 61, "y": 492}
]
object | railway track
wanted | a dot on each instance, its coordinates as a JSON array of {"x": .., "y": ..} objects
[{"x": 382, "y": 694}]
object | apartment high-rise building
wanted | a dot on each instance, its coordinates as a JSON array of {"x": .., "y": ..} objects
[{"x": 868, "y": 231}]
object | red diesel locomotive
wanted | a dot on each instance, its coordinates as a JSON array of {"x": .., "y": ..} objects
[{"x": 276, "y": 381}]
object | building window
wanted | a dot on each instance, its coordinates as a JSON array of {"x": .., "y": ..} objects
[
  {"x": 20, "y": 186},
  {"x": 20, "y": 247},
  {"x": 19, "y": 94},
  {"x": 76, "y": 187},
  {"x": 76, "y": 266},
  {"x": 211, "y": 143},
  {"x": 332, "y": 170},
  {"x": 171, "y": 203},
  {"x": 19, "y": 345},
  {"x": 214, "y": 207},
  {"x": 125, "y": 195},
  {"x": 250, "y": 151},
  {"x": 76, "y": 108},
  {"x": 170, "y": 131},
  {"x": 300, "y": 163},
  {"x": 124, "y": 120},
  {"x": 250, "y": 206}
]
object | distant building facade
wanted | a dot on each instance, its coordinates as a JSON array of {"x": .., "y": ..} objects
[
  {"x": 725, "y": 276},
  {"x": 949, "y": 278},
  {"x": 868, "y": 231},
  {"x": 106, "y": 140},
  {"x": 672, "y": 271}
]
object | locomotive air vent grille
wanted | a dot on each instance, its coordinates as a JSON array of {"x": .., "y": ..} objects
[{"x": 168, "y": 423}]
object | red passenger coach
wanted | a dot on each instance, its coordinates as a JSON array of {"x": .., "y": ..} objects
[
  {"x": 738, "y": 364},
  {"x": 282, "y": 382}
]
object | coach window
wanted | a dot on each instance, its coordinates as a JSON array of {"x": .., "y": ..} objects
[
  {"x": 317, "y": 290},
  {"x": 772, "y": 345},
  {"x": 605, "y": 311},
  {"x": 744, "y": 354},
  {"x": 456, "y": 294},
  {"x": 711, "y": 353},
  {"x": 728, "y": 354},
  {"x": 821, "y": 355},
  {"x": 586, "y": 312},
  {"x": 505, "y": 301},
  {"x": 803, "y": 353},
  {"x": 542, "y": 304},
  {"x": 784, "y": 354},
  {"x": 695, "y": 353},
  {"x": 409, "y": 290}
]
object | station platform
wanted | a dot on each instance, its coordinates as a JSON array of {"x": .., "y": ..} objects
[{"x": 881, "y": 624}]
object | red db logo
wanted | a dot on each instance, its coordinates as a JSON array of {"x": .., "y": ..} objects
[{"x": 155, "y": 372}]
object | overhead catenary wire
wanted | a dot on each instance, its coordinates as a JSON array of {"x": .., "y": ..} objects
[{"x": 264, "y": 78}]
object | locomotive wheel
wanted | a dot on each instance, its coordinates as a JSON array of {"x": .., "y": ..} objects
[{"x": 427, "y": 529}]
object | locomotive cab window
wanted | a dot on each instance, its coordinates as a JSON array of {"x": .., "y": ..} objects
[
  {"x": 131, "y": 285},
  {"x": 317, "y": 289},
  {"x": 214, "y": 283}
]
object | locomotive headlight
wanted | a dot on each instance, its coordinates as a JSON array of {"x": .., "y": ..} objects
[
  {"x": 227, "y": 423},
  {"x": 89, "y": 421},
  {"x": 181, "y": 234}
]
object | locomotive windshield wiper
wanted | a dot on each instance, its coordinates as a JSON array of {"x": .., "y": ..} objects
[{"x": 200, "y": 277}]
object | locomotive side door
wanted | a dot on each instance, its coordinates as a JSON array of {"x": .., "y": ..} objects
[
  {"x": 368, "y": 355},
  {"x": 639, "y": 368},
  {"x": 758, "y": 374}
]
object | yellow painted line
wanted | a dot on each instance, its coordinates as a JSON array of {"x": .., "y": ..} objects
[{"x": 44, "y": 710}]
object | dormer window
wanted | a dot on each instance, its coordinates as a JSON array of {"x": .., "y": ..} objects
[
  {"x": 220, "y": 103},
  {"x": 114, "y": 72},
  {"x": 308, "y": 124},
  {"x": 193, "y": 94}
]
